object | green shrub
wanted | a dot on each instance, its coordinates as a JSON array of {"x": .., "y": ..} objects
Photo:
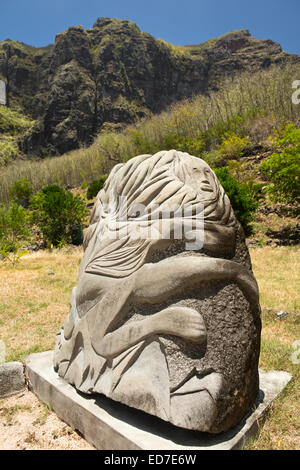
[
  {"x": 8, "y": 150},
  {"x": 233, "y": 145},
  {"x": 241, "y": 201},
  {"x": 283, "y": 168},
  {"x": 213, "y": 158},
  {"x": 21, "y": 192},
  {"x": 76, "y": 234},
  {"x": 140, "y": 143},
  {"x": 95, "y": 187},
  {"x": 246, "y": 172},
  {"x": 14, "y": 231},
  {"x": 290, "y": 135},
  {"x": 192, "y": 145},
  {"x": 56, "y": 212}
]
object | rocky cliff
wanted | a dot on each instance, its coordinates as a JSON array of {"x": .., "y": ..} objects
[{"x": 113, "y": 74}]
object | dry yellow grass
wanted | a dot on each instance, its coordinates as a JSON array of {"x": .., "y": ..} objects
[
  {"x": 277, "y": 271},
  {"x": 34, "y": 302}
]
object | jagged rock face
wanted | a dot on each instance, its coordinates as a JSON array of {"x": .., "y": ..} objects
[
  {"x": 165, "y": 317},
  {"x": 115, "y": 73}
]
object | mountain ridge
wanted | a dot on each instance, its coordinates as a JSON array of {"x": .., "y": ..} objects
[{"x": 114, "y": 74}]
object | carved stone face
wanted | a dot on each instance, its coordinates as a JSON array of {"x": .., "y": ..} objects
[
  {"x": 203, "y": 181},
  {"x": 196, "y": 174}
]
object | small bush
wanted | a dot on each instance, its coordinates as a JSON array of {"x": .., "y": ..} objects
[
  {"x": 76, "y": 234},
  {"x": 213, "y": 158},
  {"x": 283, "y": 168},
  {"x": 246, "y": 173},
  {"x": 241, "y": 201},
  {"x": 8, "y": 150},
  {"x": 192, "y": 145},
  {"x": 14, "y": 231},
  {"x": 56, "y": 212},
  {"x": 21, "y": 192},
  {"x": 233, "y": 145},
  {"x": 95, "y": 187},
  {"x": 290, "y": 135},
  {"x": 141, "y": 144}
]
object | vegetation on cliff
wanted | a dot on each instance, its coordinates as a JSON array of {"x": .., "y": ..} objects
[
  {"x": 113, "y": 75},
  {"x": 228, "y": 124},
  {"x": 13, "y": 125}
]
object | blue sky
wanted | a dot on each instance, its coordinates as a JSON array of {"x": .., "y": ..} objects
[{"x": 36, "y": 22}]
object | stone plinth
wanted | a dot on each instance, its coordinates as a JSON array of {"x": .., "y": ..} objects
[{"x": 109, "y": 425}]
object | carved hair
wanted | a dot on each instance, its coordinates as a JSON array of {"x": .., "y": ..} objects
[{"x": 161, "y": 180}]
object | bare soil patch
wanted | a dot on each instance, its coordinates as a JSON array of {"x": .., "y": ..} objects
[{"x": 27, "y": 424}]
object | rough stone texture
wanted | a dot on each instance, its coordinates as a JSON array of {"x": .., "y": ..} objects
[
  {"x": 12, "y": 379},
  {"x": 172, "y": 331},
  {"x": 108, "y": 425},
  {"x": 114, "y": 73}
]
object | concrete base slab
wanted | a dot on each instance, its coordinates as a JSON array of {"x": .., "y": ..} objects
[{"x": 108, "y": 425}]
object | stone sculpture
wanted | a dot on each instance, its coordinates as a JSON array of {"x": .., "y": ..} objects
[{"x": 169, "y": 330}]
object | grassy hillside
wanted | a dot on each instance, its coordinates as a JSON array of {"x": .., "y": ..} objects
[{"x": 228, "y": 124}]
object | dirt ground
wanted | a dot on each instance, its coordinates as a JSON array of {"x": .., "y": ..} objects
[{"x": 27, "y": 424}]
